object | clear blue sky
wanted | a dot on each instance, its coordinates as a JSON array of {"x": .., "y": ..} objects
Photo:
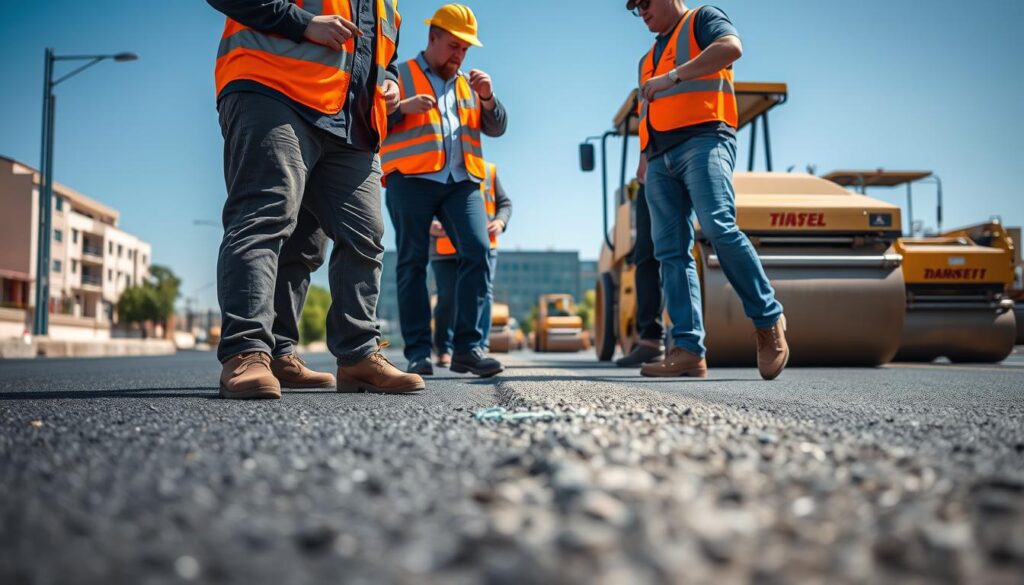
[{"x": 898, "y": 83}]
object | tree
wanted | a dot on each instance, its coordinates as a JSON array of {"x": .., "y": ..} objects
[
  {"x": 585, "y": 310},
  {"x": 313, "y": 323},
  {"x": 166, "y": 291},
  {"x": 139, "y": 304}
]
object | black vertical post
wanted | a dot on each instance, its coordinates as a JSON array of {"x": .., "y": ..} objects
[
  {"x": 753, "y": 144},
  {"x": 42, "y": 302},
  {"x": 767, "y": 142}
]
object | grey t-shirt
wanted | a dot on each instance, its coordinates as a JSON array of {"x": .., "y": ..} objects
[{"x": 709, "y": 25}]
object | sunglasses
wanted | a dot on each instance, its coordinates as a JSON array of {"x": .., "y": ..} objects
[{"x": 639, "y": 6}]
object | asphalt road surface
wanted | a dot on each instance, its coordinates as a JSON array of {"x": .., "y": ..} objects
[{"x": 132, "y": 471}]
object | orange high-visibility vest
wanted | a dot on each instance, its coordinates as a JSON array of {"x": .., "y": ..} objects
[
  {"x": 310, "y": 74},
  {"x": 489, "y": 191},
  {"x": 416, "y": 145},
  {"x": 707, "y": 99}
]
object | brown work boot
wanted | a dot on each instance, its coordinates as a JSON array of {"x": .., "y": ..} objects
[
  {"x": 772, "y": 349},
  {"x": 291, "y": 370},
  {"x": 376, "y": 374},
  {"x": 677, "y": 363},
  {"x": 248, "y": 375}
]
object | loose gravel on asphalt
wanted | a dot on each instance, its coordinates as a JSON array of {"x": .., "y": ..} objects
[{"x": 131, "y": 471}]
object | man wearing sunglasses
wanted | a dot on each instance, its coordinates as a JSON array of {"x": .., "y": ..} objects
[{"x": 688, "y": 119}]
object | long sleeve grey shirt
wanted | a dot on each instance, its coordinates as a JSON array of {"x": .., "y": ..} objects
[{"x": 352, "y": 124}]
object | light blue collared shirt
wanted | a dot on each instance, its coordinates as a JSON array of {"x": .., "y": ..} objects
[{"x": 454, "y": 170}]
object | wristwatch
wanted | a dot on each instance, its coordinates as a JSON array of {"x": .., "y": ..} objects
[{"x": 674, "y": 75}]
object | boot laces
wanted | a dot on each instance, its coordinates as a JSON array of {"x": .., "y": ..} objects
[
  {"x": 769, "y": 336},
  {"x": 379, "y": 359},
  {"x": 254, "y": 358}
]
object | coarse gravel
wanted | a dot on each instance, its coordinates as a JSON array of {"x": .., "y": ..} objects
[{"x": 132, "y": 471}]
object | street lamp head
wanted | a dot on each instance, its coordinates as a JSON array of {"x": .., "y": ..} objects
[{"x": 126, "y": 57}]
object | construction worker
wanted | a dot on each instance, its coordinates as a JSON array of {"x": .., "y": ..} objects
[
  {"x": 433, "y": 161},
  {"x": 303, "y": 93},
  {"x": 649, "y": 324},
  {"x": 443, "y": 260},
  {"x": 688, "y": 119}
]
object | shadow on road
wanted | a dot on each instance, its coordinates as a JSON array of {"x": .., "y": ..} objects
[{"x": 127, "y": 393}]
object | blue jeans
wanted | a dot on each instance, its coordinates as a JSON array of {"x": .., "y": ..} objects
[
  {"x": 695, "y": 179},
  {"x": 445, "y": 274},
  {"x": 413, "y": 204}
]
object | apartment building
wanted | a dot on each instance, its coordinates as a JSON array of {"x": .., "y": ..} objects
[{"x": 92, "y": 260}]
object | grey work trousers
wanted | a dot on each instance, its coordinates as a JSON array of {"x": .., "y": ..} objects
[{"x": 291, "y": 187}]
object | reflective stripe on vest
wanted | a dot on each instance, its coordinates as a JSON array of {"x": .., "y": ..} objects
[
  {"x": 416, "y": 145},
  {"x": 697, "y": 101},
  {"x": 489, "y": 191},
  {"x": 308, "y": 73}
]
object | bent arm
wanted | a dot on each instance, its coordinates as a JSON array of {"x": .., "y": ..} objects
[{"x": 274, "y": 16}]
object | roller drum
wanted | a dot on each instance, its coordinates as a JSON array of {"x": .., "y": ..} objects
[
  {"x": 843, "y": 310},
  {"x": 962, "y": 335}
]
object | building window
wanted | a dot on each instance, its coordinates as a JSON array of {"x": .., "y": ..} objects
[
  {"x": 110, "y": 247},
  {"x": 57, "y": 266},
  {"x": 110, "y": 275},
  {"x": 74, "y": 236},
  {"x": 58, "y": 235},
  {"x": 144, "y": 259},
  {"x": 59, "y": 203},
  {"x": 74, "y": 266},
  {"x": 120, "y": 250}
]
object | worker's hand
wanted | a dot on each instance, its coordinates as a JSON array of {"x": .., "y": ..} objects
[
  {"x": 437, "y": 230},
  {"x": 481, "y": 84},
  {"x": 392, "y": 95},
  {"x": 417, "y": 104},
  {"x": 641, "y": 169},
  {"x": 655, "y": 85},
  {"x": 331, "y": 30},
  {"x": 495, "y": 227}
]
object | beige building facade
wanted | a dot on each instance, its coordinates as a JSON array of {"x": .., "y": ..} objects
[{"x": 92, "y": 260}]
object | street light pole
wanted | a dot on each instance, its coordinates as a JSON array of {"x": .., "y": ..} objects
[{"x": 41, "y": 316}]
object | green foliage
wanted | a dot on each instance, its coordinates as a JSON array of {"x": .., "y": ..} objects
[
  {"x": 531, "y": 321},
  {"x": 166, "y": 288},
  {"x": 585, "y": 309},
  {"x": 139, "y": 304},
  {"x": 313, "y": 323}
]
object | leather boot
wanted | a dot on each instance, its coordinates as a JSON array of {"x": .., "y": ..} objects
[
  {"x": 678, "y": 363},
  {"x": 772, "y": 349},
  {"x": 248, "y": 375},
  {"x": 377, "y": 374},
  {"x": 292, "y": 372}
]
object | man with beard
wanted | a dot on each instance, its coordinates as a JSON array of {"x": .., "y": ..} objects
[{"x": 434, "y": 164}]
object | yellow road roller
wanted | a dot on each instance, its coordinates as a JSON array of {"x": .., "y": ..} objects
[
  {"x": 558, "y": 327},
  {"x": 502, "y": 338},
  {"x": 957, "y": 282},
  {"x": 995, "y": 235},
  {"x": 828, "y": 252}
]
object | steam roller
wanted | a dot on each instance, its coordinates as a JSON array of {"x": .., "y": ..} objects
[
  {"x": 828, "y": 252},
  {"x": 958, "y": 283}
]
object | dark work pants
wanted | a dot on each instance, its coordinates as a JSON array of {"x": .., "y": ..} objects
[
  {"x": 445, "y": 275},
  {"x": 291, "y": 187},
  {"x": 649, "y": 306},
  {"x": 413, "y": 204}
]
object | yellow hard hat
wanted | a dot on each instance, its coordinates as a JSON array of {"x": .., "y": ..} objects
[{"x": 457, "y": 19}]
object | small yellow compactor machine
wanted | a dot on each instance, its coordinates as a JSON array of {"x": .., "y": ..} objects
[
  {"x": 558, "y": 328},
  {"x": 502, "y": 338},
  {"x": 829, "y": 253},
  {"x": 958, "y": 283}
]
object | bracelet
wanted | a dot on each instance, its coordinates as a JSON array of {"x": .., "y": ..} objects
[{"x": 487, "y": 99}]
